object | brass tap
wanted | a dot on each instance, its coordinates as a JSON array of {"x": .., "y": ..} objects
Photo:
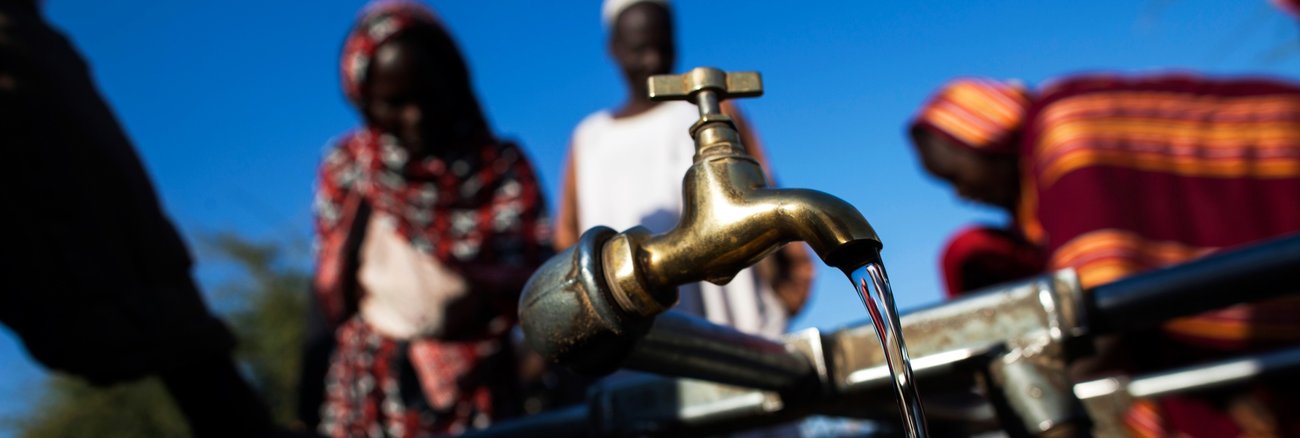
[{"x": 730, "y": 220}]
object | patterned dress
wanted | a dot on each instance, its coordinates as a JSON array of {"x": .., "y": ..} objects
[{"x": 478, "y": 218}]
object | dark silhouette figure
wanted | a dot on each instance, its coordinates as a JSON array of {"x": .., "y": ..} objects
[{"x": 97, "y": 280}]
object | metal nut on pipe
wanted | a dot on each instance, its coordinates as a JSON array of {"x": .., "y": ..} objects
[{"x": 568, "y": 315}]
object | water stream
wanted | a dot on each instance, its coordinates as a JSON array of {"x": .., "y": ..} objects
[{"x": 873, "y": 287}]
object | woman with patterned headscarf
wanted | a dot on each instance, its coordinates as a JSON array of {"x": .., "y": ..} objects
[{"x": 428, "y": 226}]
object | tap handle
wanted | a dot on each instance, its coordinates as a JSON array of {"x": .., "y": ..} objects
[{"x": 706, "y": 87}]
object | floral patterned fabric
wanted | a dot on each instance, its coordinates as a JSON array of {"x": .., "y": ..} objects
[{"x": 379, "y": 386}]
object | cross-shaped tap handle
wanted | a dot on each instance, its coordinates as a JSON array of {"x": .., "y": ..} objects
[{"x": 706, "y": 87}]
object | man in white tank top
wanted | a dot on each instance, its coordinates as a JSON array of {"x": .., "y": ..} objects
[{"x": 625, "y": 169}]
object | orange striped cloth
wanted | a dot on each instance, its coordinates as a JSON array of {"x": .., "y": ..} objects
[
  {"x": 1124, "y": 175},
  {"x": 981, "y": 114}
]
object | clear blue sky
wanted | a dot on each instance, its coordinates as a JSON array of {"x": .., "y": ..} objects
[{"x": 231, "y": 102}]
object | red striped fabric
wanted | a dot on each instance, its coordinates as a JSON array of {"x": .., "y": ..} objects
[
  {"x": 980, "y": 114},
  {"x": 1125, "y": 175},
  {"x": 1122, "y": 175}
]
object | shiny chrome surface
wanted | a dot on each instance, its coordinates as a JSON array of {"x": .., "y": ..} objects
[
  {"x": 1025, "y": 323},
  {"x": 1027, "y": 316},
  {"x": 1107, "y": 399},
  {"x": 1014, "y": 329},
  {"x": 568, "y": 314},
  {"x": 686, "y": 346},
  {"x": 654, "y": 406}
]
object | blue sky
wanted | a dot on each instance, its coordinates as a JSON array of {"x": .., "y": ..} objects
[{"x": 230, "y": 103}]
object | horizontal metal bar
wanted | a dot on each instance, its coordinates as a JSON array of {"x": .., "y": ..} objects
[
  {"x": 569, "y": 421},
  {"x": 941, "y": 337},
  {"x": 1108, "y": 399},
  {"x": 1218, "y": 374},
  {"x": 923, "y": 366},
  {"x": 681, "y": 345},
  {"x": 652, "y": 406},
  {"x": 1240, "y": 275}
]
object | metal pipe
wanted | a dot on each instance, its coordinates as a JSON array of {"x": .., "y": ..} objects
[
  {"x": 708, "y": 102},
  {"x": 1235, "y": 276},
  {"x": 1108, "y": 399},
  {"x": 686, "y": 346},
  {"x": 1032, "y": 316},
  {"x": 567, "y": 421},
  {"x": 1210, "y": 376}
]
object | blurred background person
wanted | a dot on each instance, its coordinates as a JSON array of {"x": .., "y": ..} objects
[
  {"x": 625, "y": 169},
  {"x": 428, "y": 226},
  {"x": 97, "y": 280},
  {"x": 968, "y": 136},
  {"x": 1117, "y": 175}
]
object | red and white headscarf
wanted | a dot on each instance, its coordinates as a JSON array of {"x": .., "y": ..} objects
[
  {"x": 379, "y": 22},
  {"x": 983, "y": 115}
]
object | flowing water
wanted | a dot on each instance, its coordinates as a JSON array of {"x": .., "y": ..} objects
[{"x": 873, "y": 287}]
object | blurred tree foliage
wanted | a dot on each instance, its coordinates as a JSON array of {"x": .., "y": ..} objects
[
  {"x": 271, "y": 322},
  {"x": 68, "y": 407},
  {"x": 268, "y": 295}
]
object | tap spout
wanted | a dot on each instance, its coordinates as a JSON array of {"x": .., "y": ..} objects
[
  {"x": 590, "y": 304},
  {"x": 730, "y": 221}
]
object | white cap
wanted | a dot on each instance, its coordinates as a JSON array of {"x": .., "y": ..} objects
[{"x": 610, "y": 10}]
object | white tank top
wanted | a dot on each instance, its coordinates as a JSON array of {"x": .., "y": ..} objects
[{"x": 629, "y": 172}]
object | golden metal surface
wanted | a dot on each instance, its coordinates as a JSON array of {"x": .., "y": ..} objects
[
  {"x": 680, "y": 87},
  {"x": 730, "y": 219}
]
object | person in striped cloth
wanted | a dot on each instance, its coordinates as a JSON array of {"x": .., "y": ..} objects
[
  {"x": 966, "y": 135},
  {"x": 1113, "y": 176}
]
